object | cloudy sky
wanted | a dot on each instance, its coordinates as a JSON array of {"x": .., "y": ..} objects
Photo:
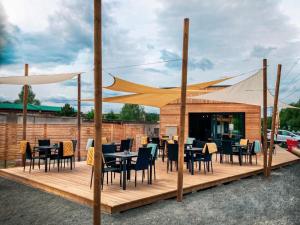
[{"x": 226, "y": 38}]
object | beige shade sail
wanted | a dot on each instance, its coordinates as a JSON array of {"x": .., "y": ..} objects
[
  {"x": 127, "y": 86},
  {"x": 248, "y": 91},
  {"x": 155, "y": 98},
  {"x": 37, "y": 79}
]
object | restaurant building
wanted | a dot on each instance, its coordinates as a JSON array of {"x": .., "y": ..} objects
[{"x": 210, "y": 119}]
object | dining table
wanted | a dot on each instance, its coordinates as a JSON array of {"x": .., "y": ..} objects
[
  {"x": 190, "y": 152},
  {"x": 125, "y": 160},
  {"x": 47, "y": 150}
]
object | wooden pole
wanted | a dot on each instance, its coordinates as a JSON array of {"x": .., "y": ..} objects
[
  {"x": 25, "y": 98},
  {"x": 182, "y": 109},
  {"x": 265, "y": 89},
  {"x": 275, "y": 109},
  {"x": 98, "y": 111},
  {"x": 78, "y": 115}
]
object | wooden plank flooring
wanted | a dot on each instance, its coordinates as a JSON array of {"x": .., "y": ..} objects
[{"x": 74, "y": 185}]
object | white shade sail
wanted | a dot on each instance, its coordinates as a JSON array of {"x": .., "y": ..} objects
[
  {"x": 248, "y": 91},
  {"x": 37, "y": 79}
]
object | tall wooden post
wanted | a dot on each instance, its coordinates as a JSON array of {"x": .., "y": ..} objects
[
  {"x": 25, "y": 98},
  {"x": 275, "y": 109},
  {"x": 78, "y": 115},
  {"x": 182, "y": 109},
  {"x": 265, "y": 89},
  {"x": 98, "y": 110}
]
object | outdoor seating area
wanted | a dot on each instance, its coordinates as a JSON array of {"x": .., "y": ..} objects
[
  {"x": 132, "y": 178},
  {"x": 75, "y": 184}
]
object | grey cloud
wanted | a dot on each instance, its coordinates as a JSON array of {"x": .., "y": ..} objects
[
  {"x": 260, "y": 51},
  {"x": 202, "y": 64}
]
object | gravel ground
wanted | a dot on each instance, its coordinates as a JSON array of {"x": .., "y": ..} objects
[{"x": 253, "y": 200}]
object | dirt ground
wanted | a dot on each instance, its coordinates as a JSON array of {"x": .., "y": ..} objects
[{"x": 254, "y": 200}]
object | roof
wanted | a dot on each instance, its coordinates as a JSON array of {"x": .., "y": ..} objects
[{"x": 30, "y": 107}]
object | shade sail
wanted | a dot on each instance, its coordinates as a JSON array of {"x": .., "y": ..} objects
[
  {"x": 248, "y": 91},
  {"x": 156, "y": 98},
  {"x": 127, "y": 86},
  {"x": 37, "y": 79}
]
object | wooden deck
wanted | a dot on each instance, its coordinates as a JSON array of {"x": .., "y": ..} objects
[{"x": 74, "y": 185}]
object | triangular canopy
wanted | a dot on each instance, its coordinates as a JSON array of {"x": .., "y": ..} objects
[
  {"x": 248, "y": 91},
  {"x": 37, "y": 79},
  {"x": 127, "y": 86},
  {"x": 149, "y": 96}
]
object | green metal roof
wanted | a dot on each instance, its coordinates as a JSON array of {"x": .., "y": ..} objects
[{"x": 30, "y": 107}]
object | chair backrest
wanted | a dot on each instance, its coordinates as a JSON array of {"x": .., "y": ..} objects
[
  {"x": 144, "y": 140},
  {"x": 28, "y": 153},
  {"x": 198, "y": 144},
  {"x": 44, "y": 142},
  {"x": 244, "y": 142},
  {"x": 155, "y": 140},
  {"x": 190, "y": 140},
  {"x": 125, "y": 145},
  {"x": 175, "y": 137},
  {"x": 65, "y": 149},
  {"x": 130, "y": 143},
  {"x": 172, "y": 152},
  {"x": 109, "y": 148},
  {"x": 153, "y": 150},
  {"x": 89, "y": 144},
  {"x": 143, "y": 159},
  {"x": 74, "y": 144},
  {"x": 227, "y": 147}
]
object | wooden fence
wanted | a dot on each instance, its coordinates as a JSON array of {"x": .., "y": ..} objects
[{"x": 11, "y": 135}]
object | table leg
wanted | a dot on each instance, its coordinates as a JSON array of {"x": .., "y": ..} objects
[
  {"x": 192, "y": 159},
  {"x": 46, "y": 164},
  {"x": 124, "y": 173},
  {"x": 151, "y": 172}
]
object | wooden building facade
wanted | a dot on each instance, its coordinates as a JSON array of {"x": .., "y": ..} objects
[{"x": 208, "y": 119}]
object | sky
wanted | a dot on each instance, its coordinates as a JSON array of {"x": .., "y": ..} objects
[{"x": 227, "y": 37}]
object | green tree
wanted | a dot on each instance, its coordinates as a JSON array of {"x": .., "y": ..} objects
[
  {"x": 67, "y": 110},
  {"x": 30, "y": 99},
  {"x": 111, "y": 116},
  {"x": 90, "y": 115},
  {"x": 152, "y": 117},
  {"x": 290, "y": 118},
  {"x": 131, "y": 112}
]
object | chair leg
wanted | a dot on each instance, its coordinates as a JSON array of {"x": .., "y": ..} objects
[
  {"x": 154, "y": 172},
  {"x": 212, "y": 170},
  {"x": 107, "y": 178},
  {"x": 39, "y": 164},
  {"x": 91, "y": 182},
  {"x": 33, "y": 164},
  {"x": 167, "y": 166},
  {"x": 111, "y": 180},
  {"x": 135, "y": 179},
  {"x": 24, "y": 165},
  {"x": 143, "y": 174},
  {"x": 30, "y": 165},
  {"x": 148, "y": 176},
  {"x": 58, "y": 161}
]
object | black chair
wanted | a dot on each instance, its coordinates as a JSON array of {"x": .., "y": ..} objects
[
  {"x": 125, "y": 145},
  {"x": 43, "y": 153},
  {"x": 130, "y": 143},
  {"x": 172, "y": 154},
  {"x": 143, "y": 163},
  {"x": 154, "y": 152},
  {"x": 155, "y": 140},
  {"x": 219, "y": 147},
  {"x": 60, "y": 157},
  {"x": 30, "y": 154},
  {"x": 226, "y": 150},
  {"x": 252, "y": 151}
]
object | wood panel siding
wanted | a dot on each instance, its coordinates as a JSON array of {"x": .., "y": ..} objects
[{"x": 169, "y": 115}]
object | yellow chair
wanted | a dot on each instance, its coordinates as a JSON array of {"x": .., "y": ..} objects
[
  {"x": 244, "y": 142},
  {"x": 175, "y": 138},
  {"x": 144, "y": 140}
]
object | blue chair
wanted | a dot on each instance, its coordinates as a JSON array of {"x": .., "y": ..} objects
[
  {"x": 154, "y": 152},
  {"x": 142, "y": 163}
]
